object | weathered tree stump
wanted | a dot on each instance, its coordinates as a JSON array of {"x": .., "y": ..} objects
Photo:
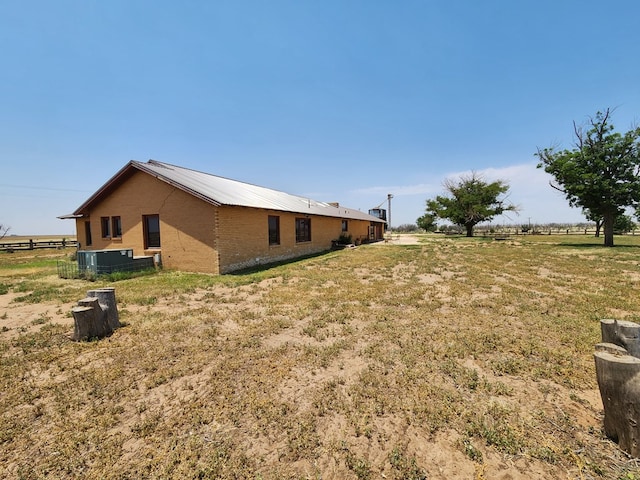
[
  {"x": 96, "y": 316},
  {"x": 107, "y": 298},
  {"x": 623, "y": 333},
  {"x": 618, "y": 374}
]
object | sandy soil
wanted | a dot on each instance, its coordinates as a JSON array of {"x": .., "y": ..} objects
[
  {"x": 19, "y": 317},
  {"x": 400, "y": 239},
  {"x": 441, "y": 452}
]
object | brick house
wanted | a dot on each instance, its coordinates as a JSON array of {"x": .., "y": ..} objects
[{"x": 195, "y": 221}]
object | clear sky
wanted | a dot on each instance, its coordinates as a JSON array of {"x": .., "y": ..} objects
[{"x": 336, "y": 100}]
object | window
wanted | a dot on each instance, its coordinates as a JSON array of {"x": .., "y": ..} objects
[
  {"x": 87, "y": 233},
  {"x": 345, "y": 225},
  {"x": 303, "y": 230},
  {"x": 104, "y": 223},
  {"x": 116, "y": 227},
  {"x": 274, "y": 230},
  {"x": 151, "y": 227}
]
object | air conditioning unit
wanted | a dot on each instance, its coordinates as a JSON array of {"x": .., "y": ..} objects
[{"x": 105, "y": 261}]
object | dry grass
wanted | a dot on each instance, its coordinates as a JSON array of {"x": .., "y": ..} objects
[{"x": 454, "y": 358}]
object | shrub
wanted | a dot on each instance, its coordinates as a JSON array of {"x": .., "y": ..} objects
[{"x": 344, "y": 239}]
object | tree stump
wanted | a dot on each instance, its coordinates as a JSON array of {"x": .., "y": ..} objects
[
  {"x": 623, "y": 333},
  {"x": 96, "y": 316},
  {"x": 618, "y": 374},
  {"x": 107, "y": 298}
]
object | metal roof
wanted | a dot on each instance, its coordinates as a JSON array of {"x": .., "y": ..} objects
[{"x": 223, "y": 191}]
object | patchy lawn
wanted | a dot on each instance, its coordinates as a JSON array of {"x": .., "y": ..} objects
[{"x": 447, "y": 358}]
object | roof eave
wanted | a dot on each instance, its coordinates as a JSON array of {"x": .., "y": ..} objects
[
  {"x": 178, "y": 185},
  {"x": 122, "y": 174},
  {"x": 82, "y": 209},
  {"x": 125, "y": 172}
]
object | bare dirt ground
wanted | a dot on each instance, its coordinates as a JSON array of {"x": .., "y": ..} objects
[
  {"x": 441, "y": 452},
  {"x": 20, "y": 318},
  {"x": 400, "y": 239},
  {"x": 27, "y": 317},
  {"x": 238, "y": 311}
]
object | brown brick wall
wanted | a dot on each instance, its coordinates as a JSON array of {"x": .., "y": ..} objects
[
  {"x": 186, "y": 223},
  {"x": 244, "y": 237},
  {"x": 197, "y": 236}
]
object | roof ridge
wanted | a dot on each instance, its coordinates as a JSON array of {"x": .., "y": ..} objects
[
  {"x": 219, "y": 191},
  {"x": 179, "y": 167}
]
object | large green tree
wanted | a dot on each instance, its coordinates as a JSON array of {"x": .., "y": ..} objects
[
  {"x": 600, "y": 174},
  {"x": 470, "y": 201}
]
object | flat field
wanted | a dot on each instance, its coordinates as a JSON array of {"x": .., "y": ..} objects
[{"x": 440, "y": 358}]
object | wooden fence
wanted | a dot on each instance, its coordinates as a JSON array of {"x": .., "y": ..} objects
[{"x": 35, "y": 244}]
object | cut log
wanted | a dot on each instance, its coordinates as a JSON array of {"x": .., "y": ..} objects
[
  {"x": 107, "y": 299},
  {"x": 623, "y": 333},
  {"x": 619, "y": 383},
  {"x": 89, "y": 322},
  {"x": 96, "y": 316},
  {"x": 611, "y": 348}
]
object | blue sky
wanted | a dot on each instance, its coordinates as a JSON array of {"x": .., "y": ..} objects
[{"x": 335, "y": 100}]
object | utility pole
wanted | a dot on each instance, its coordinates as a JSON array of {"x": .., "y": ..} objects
[{"x": 389, "y": 197}]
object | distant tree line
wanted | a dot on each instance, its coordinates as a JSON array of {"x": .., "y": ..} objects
[{"x": 624, "y": 224}]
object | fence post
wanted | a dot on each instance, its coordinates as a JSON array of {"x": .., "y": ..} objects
[{"x": 30, "y": 244}]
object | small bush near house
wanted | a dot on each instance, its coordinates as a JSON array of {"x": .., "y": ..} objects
[{"x": 344, "y": 239}]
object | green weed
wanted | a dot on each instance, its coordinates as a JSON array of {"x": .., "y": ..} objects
[{"x": 405, "y": 468}]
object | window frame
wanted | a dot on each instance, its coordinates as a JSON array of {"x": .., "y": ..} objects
[
  {"x": 87, "y": 233},
  {"x": 105, "y": 227},
  {"x": 116, "y": 227},
  {"x": 274, "y": 230},
  {"x": 149, "y": 242},
  {"x": 303, "y": 229},
  {"x": 345, "y": 225}
]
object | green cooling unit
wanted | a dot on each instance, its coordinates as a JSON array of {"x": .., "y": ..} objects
[{"x": 106, "y": 261}]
